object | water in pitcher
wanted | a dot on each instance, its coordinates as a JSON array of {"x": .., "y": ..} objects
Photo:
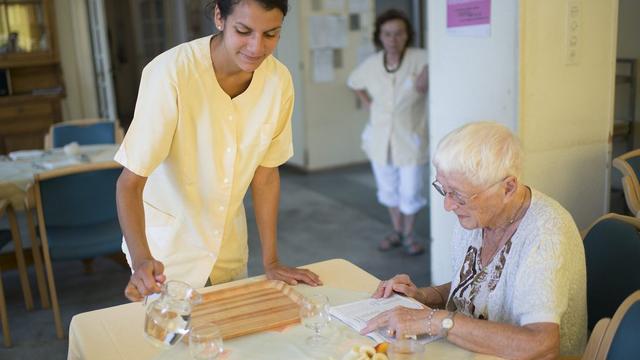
[
  {"x": 164, "y": 328},
  {"x": 168, "y": 318}
]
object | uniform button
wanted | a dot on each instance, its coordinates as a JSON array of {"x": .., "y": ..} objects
[
  {"x": 221, "y": 208},
  {"x": 228, "y": 149},
  {"x": 230, "y": 117},
  {"x": 226, "y": 180}
]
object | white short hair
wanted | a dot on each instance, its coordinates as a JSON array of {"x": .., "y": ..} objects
[{"x": 483, "y": 152}]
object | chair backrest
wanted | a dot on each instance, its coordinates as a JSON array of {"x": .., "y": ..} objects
[
  {"x": 629, "y": 166},
  {"x": 634, "y": 162},
  {"x": 595, "y": 339},
  {"x": 622, "y": 337},
  {"x": 631, "y": 194},
  {"x": 79, "y": 195},
  {"x": 97, "y": 133},
  {"x": 612, "y": 251}
]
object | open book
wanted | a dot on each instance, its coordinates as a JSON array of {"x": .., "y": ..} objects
[{"x": 357, "y": 313}]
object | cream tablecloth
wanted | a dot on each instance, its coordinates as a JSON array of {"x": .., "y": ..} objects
[
  {"x": 116, "y": 332},
  {"x": 16, "y": 176}
]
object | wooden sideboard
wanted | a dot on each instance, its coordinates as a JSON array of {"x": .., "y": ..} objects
[{"x": 31, "y": 86}]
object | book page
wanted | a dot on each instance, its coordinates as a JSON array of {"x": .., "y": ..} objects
[{"x": 356, "y": 314}]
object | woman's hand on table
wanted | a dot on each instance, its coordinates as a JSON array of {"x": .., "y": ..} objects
[
  {"x": 291, "y": 275},
  {"x": 401, "y": 284},
  {"x": 146, "y": 279},
  {"x": 401, "y": 322}
]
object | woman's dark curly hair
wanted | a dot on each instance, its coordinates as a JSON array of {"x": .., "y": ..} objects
[
  {"x": 226, "y": 6},
  {"x": 392, "y": 14}
]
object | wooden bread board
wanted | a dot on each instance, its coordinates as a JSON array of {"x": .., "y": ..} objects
[{"x": 249, "y": 308}]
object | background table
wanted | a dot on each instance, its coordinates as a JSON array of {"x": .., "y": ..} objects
[
  {"x": 116, "y": 332},
  {"x": 17, "y": 175}
]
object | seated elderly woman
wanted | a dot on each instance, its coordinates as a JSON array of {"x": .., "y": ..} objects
[{"x": 519, "y": 284}]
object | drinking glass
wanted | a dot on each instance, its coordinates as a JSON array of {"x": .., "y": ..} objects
[
  {"x": 205, "y": 342},
  {"x": 314, "y": 314},
  {"x": 406, "y": 349}
]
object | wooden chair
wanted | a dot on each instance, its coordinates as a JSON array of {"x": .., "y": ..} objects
[
  {"x": 595, "y": 340},
  {"x": 612, "y": 252},
  {"x": 84, "y": 132},
  {"x": 629, "y": 166},
  {"x": 36, "y": 246},
  {"x": 6, "y": 208},
  {"x": 621, "y": 339},
  {"x": 77, "y": 217}
]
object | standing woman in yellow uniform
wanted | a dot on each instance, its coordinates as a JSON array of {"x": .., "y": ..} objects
[{"x": 213, "y": 117}]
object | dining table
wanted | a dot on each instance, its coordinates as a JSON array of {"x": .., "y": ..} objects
[
  {"x": 117, "y": 332},
  {"x": 17, "y": 171}
]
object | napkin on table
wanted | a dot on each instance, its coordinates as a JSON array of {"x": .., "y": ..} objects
[
  {"x": 54, "y": 164},
  {"x": 25, "y": 154}
]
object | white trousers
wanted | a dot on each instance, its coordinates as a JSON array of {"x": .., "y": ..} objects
[{"x": 400, "y": 186}]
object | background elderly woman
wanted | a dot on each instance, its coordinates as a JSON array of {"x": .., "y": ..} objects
[
  {"x": 392, "y": 83},
  {"x": 519, "y": 286}
]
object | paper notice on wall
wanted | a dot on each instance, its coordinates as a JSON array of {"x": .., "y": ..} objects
[
  {"x": 323, "y": 65},
  {"x": 359, "y": 6},
  {"x": 338, "y": 30},
  {"x": 327, "y": 32},
  {"x": 469, "y": 18},
  {"x": 334, "y": 5},
  {"x": 366, "y": 21},
  {"x": 365, "y": 49}
]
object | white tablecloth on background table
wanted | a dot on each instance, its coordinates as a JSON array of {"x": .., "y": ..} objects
[
  {"x": 16, "y": 176},
  {"x": 117, "y": 332}
]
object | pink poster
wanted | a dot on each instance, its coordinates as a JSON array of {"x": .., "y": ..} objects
[{"x": 469, "y": 17}]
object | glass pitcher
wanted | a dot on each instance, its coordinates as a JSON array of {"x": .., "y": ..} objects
[{"x": 168, "y": 318}]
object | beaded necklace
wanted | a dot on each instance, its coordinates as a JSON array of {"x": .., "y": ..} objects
[{"x": 386, "y": 66}]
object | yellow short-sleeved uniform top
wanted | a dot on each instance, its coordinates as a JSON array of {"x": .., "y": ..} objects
[{"x": 199, "y": 149}]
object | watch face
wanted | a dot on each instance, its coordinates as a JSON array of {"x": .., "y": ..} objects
[{"x": 447, "y": 323}]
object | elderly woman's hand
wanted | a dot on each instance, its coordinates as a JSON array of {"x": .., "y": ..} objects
[
  {"x": 401, "y": 284},
  {"x": 422, "y": 81},
  {"x": 400, "y": 322}
]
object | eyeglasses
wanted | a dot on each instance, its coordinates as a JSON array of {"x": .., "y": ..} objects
[{"x": 457, "y": 197}]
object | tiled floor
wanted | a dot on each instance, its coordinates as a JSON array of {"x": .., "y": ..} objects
[{"x": 324, "y": 215}]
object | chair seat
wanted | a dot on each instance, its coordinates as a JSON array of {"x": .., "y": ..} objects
[{"x": 83, "y": 242}]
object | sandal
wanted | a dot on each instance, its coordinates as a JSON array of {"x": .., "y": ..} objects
[
  {"x": 390, "y": 241},
  {"x": 412, "y": 247}
]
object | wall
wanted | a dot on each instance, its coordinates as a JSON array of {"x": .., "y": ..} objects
[
  {"x": 289, "y": 53},
  {"x": 75, "y": 56},
  {"x": 566, "y": 110},
  {"x": 470, "y": 79},
  {"x": 327, "y": 124},
  {"x": 520, "y": 77}
]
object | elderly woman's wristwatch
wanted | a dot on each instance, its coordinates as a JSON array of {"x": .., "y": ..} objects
[{"x": 447, "y": 324}]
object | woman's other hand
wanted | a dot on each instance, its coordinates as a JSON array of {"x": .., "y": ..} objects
[
  {"x": 400, "y": 322},
  {"x": 422, "y": 81},
  {"x": 291, "y": 275},
  {"x": 400, "y": 284}
]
